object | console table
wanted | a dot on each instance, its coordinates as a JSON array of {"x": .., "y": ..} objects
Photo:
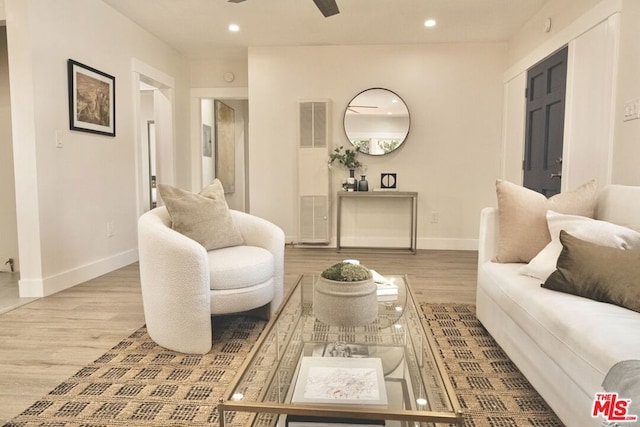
[{"x": 388, "y": 195}]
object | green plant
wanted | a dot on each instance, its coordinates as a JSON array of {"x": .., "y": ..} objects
[
  {"x": 347, "y": 158},
  {"x": 347, "y": 272}
]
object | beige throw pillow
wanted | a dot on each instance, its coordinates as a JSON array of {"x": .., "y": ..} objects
[
  {"x": 522, "y": 221},
  {"x": 203, "y": 217}
]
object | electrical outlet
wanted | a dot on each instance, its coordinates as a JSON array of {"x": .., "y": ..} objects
[
  {"x": 435, "y": 217},
  {"x": 111, "y": 229}
]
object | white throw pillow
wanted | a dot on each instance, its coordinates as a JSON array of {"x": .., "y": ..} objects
[{"x": 594, "y": 231}]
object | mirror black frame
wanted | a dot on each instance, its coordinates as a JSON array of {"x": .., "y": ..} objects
[{"x": 392, "y": 144}]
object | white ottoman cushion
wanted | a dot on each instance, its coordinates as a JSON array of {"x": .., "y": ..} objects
[{"x": 239, "y": 267}]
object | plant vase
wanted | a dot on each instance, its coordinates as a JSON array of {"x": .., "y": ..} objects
[
  {"x": 352, "y": 184},
  {"x": 345, "y": 303}
]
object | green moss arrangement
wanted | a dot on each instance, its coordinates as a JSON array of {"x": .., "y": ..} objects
[{"x": 347, "y": 272}]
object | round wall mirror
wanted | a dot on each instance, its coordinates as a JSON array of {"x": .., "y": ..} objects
[{"x": 377, "y": 121}]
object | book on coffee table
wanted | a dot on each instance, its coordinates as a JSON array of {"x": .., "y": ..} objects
[{"x": 340, "y": 380}]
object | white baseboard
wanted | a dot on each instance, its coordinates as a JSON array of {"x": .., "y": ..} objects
[
  {"x": 423, "y": 243},
  {"x": 30, "y": 288},
  {"x": 67, "y": 279},
  {"x": 448, "y": 244}
]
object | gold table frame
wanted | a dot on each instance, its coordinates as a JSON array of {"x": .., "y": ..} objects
[{"x": 451, "y": 415}]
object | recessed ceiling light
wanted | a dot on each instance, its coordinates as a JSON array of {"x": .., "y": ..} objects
[
  {"x": 234, "y": 28},
  {"x": 430, "y": 23}
]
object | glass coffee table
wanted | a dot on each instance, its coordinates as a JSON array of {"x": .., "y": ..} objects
[{"x": 386, "y": 370}]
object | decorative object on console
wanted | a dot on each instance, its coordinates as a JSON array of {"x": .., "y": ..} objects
[
  {"x": 345, "y": 295},
  {"x": 352, "y": 184},
  {"x": 388, "y": 180},
  {"x": 349, "y": 159},
  {"x": 363, "y": 184}
]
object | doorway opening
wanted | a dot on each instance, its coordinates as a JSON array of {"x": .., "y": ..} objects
[
  {"x": 224, "y": 147},
  {"x": 154, "y": 118},
  {"x": 9, "y": 261}
]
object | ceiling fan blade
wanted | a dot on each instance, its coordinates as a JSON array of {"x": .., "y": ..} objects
[
  {"x": 235, "y": 1},
  {"x": 327, "y": 7}
]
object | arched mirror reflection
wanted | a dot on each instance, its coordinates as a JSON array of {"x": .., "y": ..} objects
[{"x": 377, "y": 121}]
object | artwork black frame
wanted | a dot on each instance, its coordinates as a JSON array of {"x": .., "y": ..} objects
[{"x": 92, "y": 99}]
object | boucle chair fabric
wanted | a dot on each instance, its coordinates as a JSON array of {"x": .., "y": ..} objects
[{"x": 177, "y": 282}]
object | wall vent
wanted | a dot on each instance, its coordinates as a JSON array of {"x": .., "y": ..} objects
[{"x": 313, "y": 173}]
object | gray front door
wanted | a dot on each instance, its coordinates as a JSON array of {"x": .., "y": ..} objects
[{"x": 546, "y": 89}]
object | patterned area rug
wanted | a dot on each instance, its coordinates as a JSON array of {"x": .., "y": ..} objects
[
  {"x": 490, "y": 388},
  {"x": 138, "y": 383}
]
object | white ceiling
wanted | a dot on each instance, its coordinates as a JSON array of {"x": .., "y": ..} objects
[{"x": 199, "y": 28}]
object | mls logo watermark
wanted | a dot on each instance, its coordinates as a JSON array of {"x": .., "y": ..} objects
[{"x": 612, "y": 408}]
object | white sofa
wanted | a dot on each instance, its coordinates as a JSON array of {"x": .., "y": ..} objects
[
  {"x": 183, "y": 284},
  {"x": 563, "y": 344}
]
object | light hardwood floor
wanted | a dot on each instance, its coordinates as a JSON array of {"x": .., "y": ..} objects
[{"x": 46, "y": 341}]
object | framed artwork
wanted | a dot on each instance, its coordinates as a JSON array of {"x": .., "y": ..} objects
[
  {"x": 207, "y": 141},
  {"x": 92, "y": 99},
  {"x": 225, "y": 145}
]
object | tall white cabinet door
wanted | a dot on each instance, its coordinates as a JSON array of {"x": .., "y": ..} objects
[{"x": 313, "y": 173}]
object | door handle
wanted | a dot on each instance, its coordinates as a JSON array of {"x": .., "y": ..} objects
[{"x": 555, "y": 175}]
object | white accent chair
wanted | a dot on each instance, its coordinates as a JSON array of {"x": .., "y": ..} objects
[{"x": 183, "y": 285}]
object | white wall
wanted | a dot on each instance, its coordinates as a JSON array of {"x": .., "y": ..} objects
[
  {"x": 454, "y": 95},
  {"x": 66, "y": 196},
  {"x": 8, "y": 225},
  {"x": 626, "y": 154},
  {"x": 210, "y": 73},
  {"x": 590, "y": 108},
  {"x": 532, "y": 36},
  {"x": 602, "y": 50}
]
